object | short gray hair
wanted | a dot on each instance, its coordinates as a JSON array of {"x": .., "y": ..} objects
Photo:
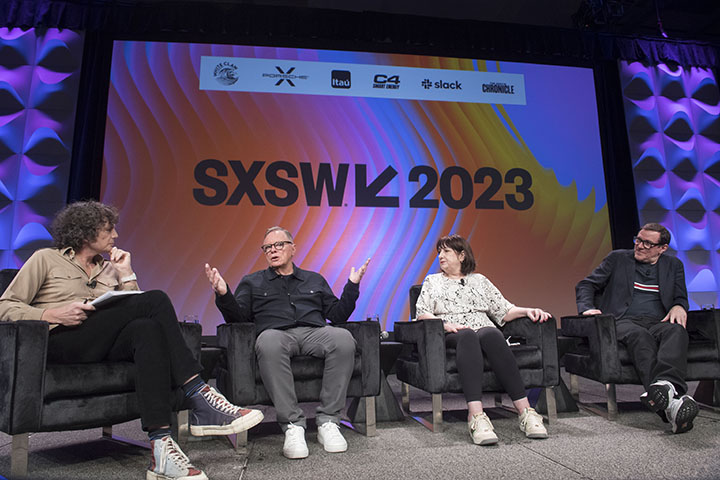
[{"x": 279, "y": 229}]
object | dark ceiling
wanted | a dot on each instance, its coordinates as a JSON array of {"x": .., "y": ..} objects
[{"x": 679, "y": 19}]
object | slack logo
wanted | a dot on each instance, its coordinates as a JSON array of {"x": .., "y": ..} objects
[
  {"x": 340, "y": 79},
  {"x": 442, "y": 85}
]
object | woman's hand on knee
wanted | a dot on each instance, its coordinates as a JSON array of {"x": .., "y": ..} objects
[
  {"x": 70, "y": 315},
  {"x": 453, "y": 327}
]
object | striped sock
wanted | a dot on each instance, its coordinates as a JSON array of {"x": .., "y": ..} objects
[{"x": 193, "y": 386}]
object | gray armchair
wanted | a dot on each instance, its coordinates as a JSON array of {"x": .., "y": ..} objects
[
  {"x": 37, "y": 396},
  {"x": 598, "y": 355},
  {"x": 428, "y": 365},
  {"x": 238, "y": 376}
]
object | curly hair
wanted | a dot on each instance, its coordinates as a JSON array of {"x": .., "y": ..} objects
[
  {"x": 460, "y": 245},
  {"x": 78, "y": 223}
]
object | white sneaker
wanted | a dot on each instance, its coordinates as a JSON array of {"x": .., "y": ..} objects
[
  {"x": 531, "y": 423},
  {"x": 295, "y": 446},
  {"x": 658, "y": 396},
  {"x": 330, "y": 438},
  {"x": 681, "y": 413},
  {"x": 170, "y": 463},
  {"x": 481, "y": 430}
]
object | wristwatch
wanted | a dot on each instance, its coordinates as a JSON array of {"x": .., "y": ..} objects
[{"x": 129, "y": 278}]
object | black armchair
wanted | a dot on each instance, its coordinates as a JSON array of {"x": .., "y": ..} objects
[
  {"x": 238, "y": 375},
  {"x": 37, "y": 396},
  {"x": 598, "y": 355},
  {"x": 430, "y": 366}
]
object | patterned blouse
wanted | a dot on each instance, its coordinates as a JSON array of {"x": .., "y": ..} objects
[{"x": 476, "y": 304}]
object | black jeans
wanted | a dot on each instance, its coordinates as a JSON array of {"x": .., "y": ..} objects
[
  {"x": 142, "y": 329},
  {"x": 470, "y": 346},
  {"x": 658, "y": 350}
]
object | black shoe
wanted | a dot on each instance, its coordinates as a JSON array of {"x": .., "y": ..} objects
[
  {"x": 658, "y": 396},
  {"x": 681, "y": 412}
]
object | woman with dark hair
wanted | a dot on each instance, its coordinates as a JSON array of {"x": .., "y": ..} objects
[
  {"x": 472, "y": 309},
  {"x": 57, "y": 285}
]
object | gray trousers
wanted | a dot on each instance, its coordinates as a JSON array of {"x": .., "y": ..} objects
[{"x": 275, "y": 348}]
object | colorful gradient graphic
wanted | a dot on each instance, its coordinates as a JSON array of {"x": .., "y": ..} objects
[
  {"x": 161, "y": 126},
  {"x": 39, "y": 79},
  {"x": 673, "y": 123}
]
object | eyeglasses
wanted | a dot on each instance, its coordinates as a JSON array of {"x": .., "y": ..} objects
[
  {"x": 646, "y": 243},
  {"x": 277, "y": 245}
]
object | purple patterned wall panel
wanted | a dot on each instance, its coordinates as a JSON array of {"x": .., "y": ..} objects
[
  {"x": 39, "y": 77},
  {"x": 673, "y": 119}
]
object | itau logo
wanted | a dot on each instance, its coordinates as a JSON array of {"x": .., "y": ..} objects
[
  {"x": 225, "y": 73},
  {"x": 340, "y": 79}
]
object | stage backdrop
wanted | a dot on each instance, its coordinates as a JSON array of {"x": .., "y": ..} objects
[{"x": 360, "y": 155}]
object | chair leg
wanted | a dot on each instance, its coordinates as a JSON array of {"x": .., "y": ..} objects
[
  {"x": 19, "y": 455},
  {"x": 551, "y": 405},
  {"x": 574, "y": 387},
  {"x": 238, "y": 441},
  {"x": 370, "y": 421},
  {"x": 437, "y": 420},
  {"x": 611, "y": 401},
  {"x": 405, "y": 394},
  {"x": 180, "y": 426}
]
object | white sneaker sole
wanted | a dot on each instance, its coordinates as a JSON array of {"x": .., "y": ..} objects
[
  {"x": 296, "y": 455},
  {"x": 334, "y": 448},
  {"x": 241, "y": 424},
  {"x": 486, "y": 441},
  {"x": 150, "y": 475}
]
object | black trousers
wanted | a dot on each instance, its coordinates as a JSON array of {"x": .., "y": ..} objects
[
  {"x": 470, "y": 346},
  {"x": 658, "y": 350},
  {"x": 142, "y": 329}
]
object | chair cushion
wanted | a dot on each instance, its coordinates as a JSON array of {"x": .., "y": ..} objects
[
  {"x": 83, "y": 379},
  {"x": 698, "y": 351},
  {"x": 306, "y": 368}
]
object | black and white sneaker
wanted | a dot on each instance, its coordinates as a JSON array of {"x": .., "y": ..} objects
[
  {"x": 658, "y": 395},
  {"x": 681, "y": 413}
]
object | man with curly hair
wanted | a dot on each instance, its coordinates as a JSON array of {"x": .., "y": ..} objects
[{"x": 57, "y": 284}]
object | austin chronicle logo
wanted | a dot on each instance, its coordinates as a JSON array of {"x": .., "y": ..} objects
[
  {"x": 225, "y": 73},
  {"x": 340, "y": 79},
  {"x": 283, "y": 76}
]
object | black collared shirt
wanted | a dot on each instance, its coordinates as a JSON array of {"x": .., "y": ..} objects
[{"x": 303, "y": 298}]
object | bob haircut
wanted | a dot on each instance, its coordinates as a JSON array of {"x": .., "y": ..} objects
[
  {"x": 459, "y": 245},
  {"x": 78, "y": 224}
]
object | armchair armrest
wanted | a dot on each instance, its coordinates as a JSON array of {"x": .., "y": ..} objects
[
  {"x": 367, "y": 338},
  {"x": 705, "y": 323},
  {"x": 23, "y": 354},
  {"x": 236, "y": 378},
  {"x": 542, "y": 335},
  {"x": 192, "y": 334},
  {"x": 427, "y": 338},
  {"x": 599, "y": 330}
]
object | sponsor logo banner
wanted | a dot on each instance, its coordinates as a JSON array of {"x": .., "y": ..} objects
[{"x": 236, "y": 74}]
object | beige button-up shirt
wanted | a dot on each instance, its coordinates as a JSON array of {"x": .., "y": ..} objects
[{"x": 52, "y": 278}]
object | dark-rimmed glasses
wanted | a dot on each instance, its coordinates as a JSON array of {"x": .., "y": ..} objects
[
  {"x": 277, "y": 245},
  {"x": 646, "y": 243}
]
